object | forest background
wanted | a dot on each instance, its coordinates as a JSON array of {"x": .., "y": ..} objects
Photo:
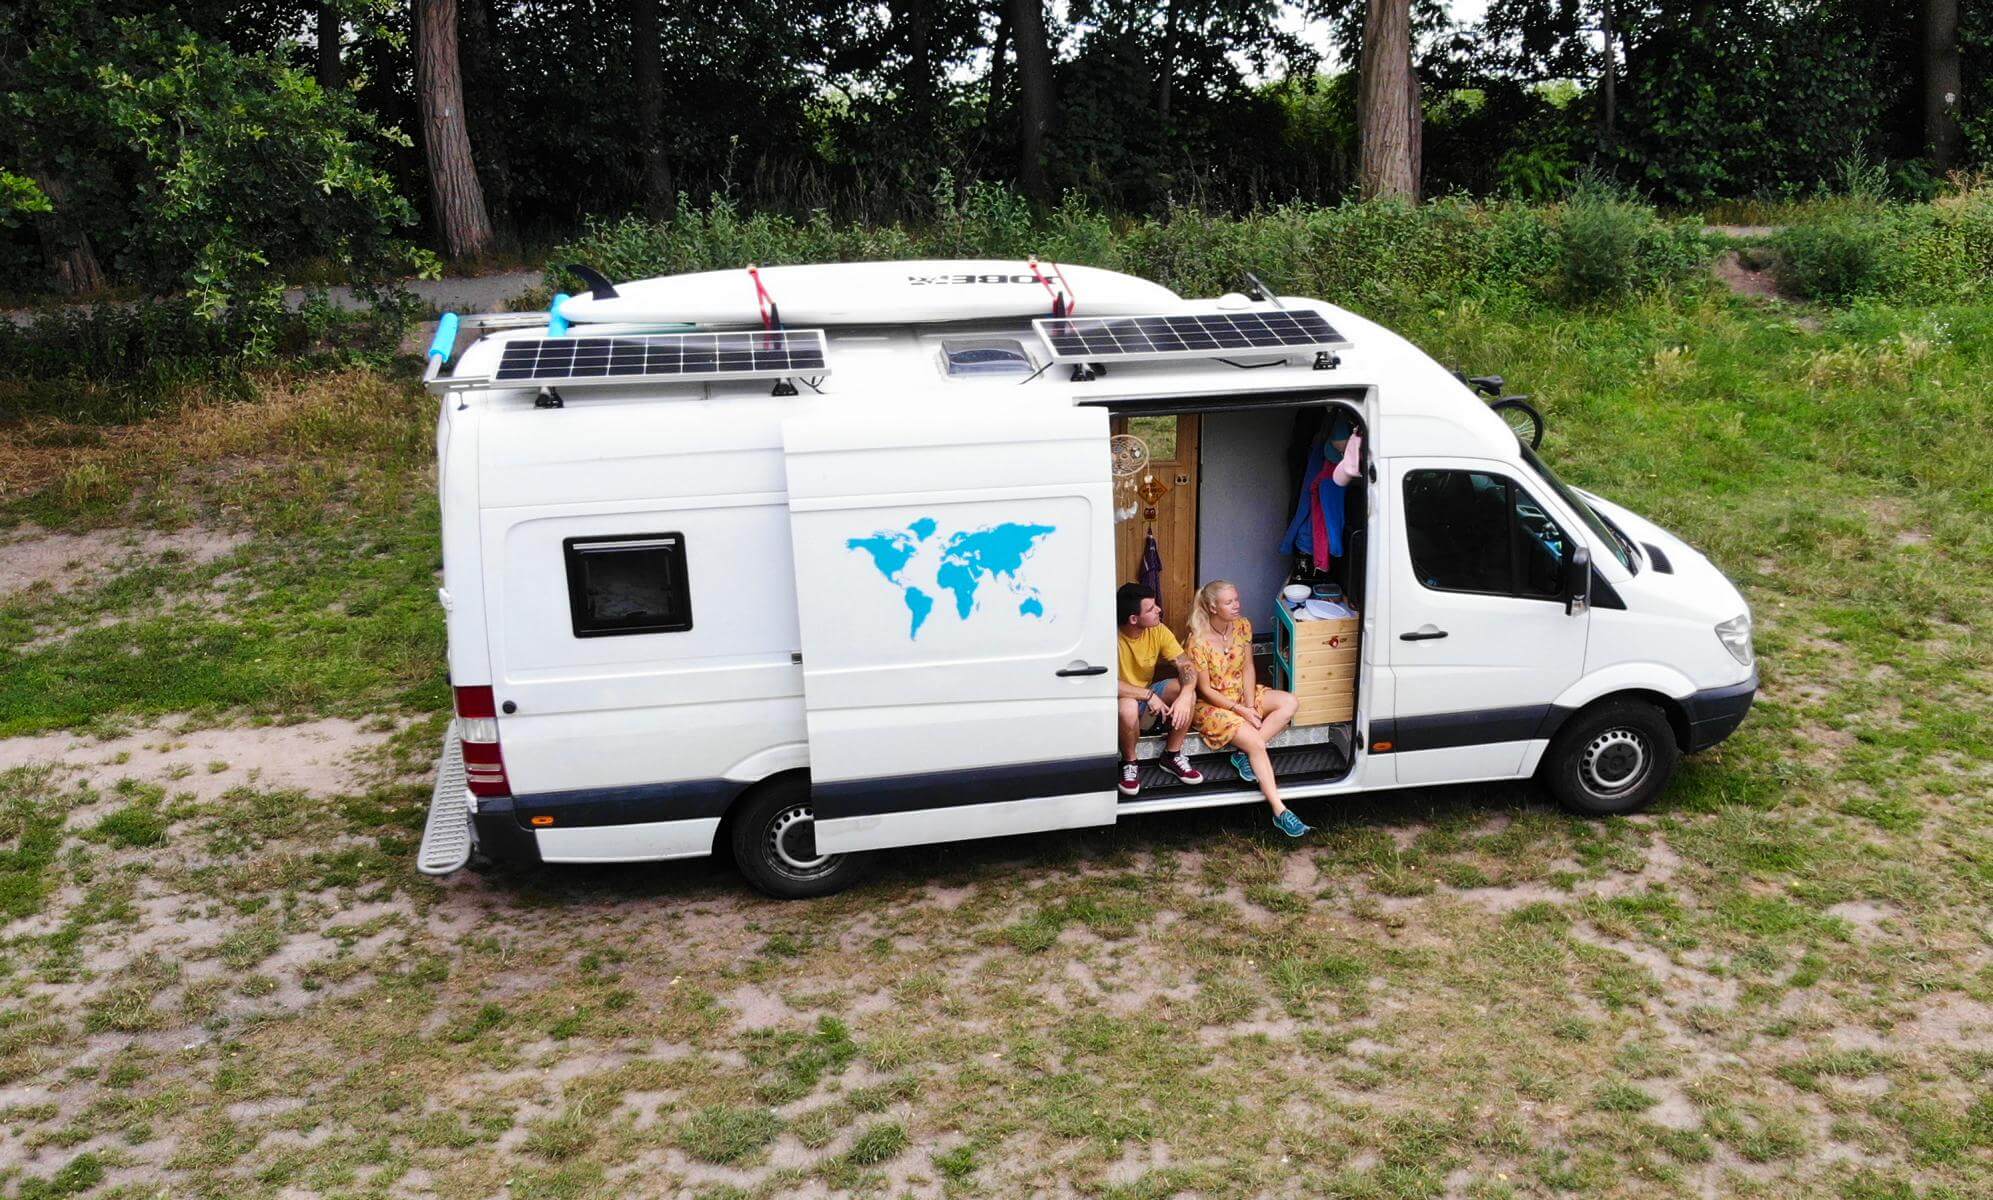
[{"x": 216, "y": 150}]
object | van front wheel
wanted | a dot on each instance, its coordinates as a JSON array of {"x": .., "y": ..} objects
[
  {"x": 1611, "y": 759},
  {"x": 775, "y": 846}
]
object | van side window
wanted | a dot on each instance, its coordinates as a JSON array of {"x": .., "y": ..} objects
[
  {"x": 632, "y": 583},
  {"x": 1469, "y": 531}
]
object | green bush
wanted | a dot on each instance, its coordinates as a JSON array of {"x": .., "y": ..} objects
[
  {"x": 1383, "y": 258},
  {"x": 1837, "y": 253},
  {"x": 1863, "y": 246},
  {"x": 123, "y": 361},
  {"x": 1610, "y": 248}
]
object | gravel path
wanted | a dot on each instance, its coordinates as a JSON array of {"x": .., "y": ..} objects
[{"x": 467, "y": 294}]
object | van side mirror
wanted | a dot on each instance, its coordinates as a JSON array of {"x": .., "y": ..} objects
[{"x": 1577, "y": 579}]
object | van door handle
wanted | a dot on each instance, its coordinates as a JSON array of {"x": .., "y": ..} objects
[
  {"x": 1080, "y": 669},
  {"x": 1424, "y": 633}
]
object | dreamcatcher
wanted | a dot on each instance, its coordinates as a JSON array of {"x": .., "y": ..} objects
[
  {"x": 1136, "y": 490},
  {"x": 1130, "y": 455}
]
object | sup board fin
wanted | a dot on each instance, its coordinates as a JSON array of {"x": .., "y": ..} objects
[{"x": 598, "y": 287}]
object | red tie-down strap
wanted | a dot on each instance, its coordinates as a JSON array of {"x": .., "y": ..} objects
[
  {"x": 1062, "y": 304},
  {"x": 770, "y": 315}
]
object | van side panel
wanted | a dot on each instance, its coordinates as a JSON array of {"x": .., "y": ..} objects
[
  {"x": 628, "y": 729},
  {"x": 614, "y": 711}
]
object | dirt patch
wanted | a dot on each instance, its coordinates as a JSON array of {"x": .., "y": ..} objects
[
  {"x": 322, "y": 757},
  {"x": 1743, "y": 280},
  {"x": 62, "y": 562}
]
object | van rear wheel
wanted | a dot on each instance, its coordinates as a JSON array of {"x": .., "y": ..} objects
[
  {"x": 1612, "y": 758},
  {"x": 775, "y": 846}
]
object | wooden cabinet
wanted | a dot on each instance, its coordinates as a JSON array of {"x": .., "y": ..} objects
[{"x": 1320, "y": 661}]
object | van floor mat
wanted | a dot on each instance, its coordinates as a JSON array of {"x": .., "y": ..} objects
[{"x": 1290, "y": 763}]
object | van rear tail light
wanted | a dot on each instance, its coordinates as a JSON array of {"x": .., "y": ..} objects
[{"x": 477, "y": 730}]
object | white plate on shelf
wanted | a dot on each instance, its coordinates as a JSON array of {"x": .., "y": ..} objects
[{"x": 1326, "y": 610}]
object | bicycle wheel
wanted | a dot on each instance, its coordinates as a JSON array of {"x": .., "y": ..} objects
[{"x": 1521, "y": 416}]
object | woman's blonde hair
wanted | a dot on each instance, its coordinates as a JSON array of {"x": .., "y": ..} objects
[{"x": 1200, "y": 609}]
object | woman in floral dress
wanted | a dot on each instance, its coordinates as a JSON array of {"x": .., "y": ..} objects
[{"x": 1220, "y": 645}]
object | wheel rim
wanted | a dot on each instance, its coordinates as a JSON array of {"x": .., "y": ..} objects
[
  {"x": 792, "y": 844},
  {"x": 1615, "y": 762}
]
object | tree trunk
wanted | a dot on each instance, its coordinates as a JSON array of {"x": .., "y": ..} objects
[
  {"x": 1034, "y": 80},
  {"x": 454, "y": 192},
  {"x": 1608, "y": 115},
  {"x": 659, "y": 196},
  {"x": 1943, "y": 81},
  {"x": 1168, "y": 81},
  {"x": 921, "y": 82},
  {"x": 1417, "y": 107},
  {"x": 999, "y": 68},
  {"x": 483, "y": 97},
  {"x": 331, "y": 75},
  {"x": 72, "y": 261},
  {"x": 1385, "y": 116}
]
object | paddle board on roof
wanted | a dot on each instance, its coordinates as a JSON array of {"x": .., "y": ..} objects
[{"x": 874, "y": 293}]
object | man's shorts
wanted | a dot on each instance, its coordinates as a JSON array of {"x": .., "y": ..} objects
[{"x": 1154, "y": 717}]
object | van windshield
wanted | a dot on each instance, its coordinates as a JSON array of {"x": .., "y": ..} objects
[{"x": 1611, "y": 538}]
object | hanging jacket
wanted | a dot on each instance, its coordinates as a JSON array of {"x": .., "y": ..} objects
[{"x": 1318, "y": 517}]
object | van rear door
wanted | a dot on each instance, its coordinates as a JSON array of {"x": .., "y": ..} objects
[{"x": 955, "y": 586}]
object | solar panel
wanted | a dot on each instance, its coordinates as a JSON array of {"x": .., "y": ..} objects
[
  {"x": 681, "y": 357},
  {"x": 1191, "y": 335}
]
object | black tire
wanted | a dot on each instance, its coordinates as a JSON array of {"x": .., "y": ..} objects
[
  {"x": 775, "y": 848},
  {"x": 1520, "y": 415},
  {"x": 1613, "y": 758}
]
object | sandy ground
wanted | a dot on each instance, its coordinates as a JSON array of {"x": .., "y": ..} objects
[
  {"x": 60, "y": 562},
  {"x": 922, "y": 958},
  {"x": 320, "y": 757}
]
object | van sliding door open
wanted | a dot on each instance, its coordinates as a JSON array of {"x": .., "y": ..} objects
[{"x": 955, "y": 584}]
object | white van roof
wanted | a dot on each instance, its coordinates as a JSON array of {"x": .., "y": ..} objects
[{"x": 1420, "y": 407}]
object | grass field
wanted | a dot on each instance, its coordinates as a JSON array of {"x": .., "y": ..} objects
[{"x": 220, "y": 975}]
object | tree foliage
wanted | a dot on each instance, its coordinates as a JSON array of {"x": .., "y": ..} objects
[
  {"x": 196, "y": 165},
  {"x": 186, "y": 144}
]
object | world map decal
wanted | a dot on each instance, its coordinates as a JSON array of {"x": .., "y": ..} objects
[{"x": 964, "y": 565}]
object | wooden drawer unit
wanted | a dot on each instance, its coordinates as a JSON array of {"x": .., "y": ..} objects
[
  {"x": 1325, "y": 710},
  {"x": 1321, "y": 662}
]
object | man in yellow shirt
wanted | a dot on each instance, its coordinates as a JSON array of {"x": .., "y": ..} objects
[{"x": 1147, "y": 704}]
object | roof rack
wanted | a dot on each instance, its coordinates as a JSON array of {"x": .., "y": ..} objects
[
  {"x": 647, "y": 354},
  {"x": 443, "y": 347}
]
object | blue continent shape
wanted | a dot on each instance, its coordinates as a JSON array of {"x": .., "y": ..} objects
[
  {"x": 890, "y": 551},
  {"x": 919, "y": 604},
  {"x": 997, "y": 551}
]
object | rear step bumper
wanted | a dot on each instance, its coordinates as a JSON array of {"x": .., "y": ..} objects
[{"x": 446, "y": 839}]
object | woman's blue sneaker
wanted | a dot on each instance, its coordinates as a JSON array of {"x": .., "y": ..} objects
[
  {"x": 1291, "y": 825},
  {"x": 1244, "y": 766}
]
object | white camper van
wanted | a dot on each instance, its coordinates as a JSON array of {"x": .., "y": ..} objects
[{"x": 808, "y": 562}]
